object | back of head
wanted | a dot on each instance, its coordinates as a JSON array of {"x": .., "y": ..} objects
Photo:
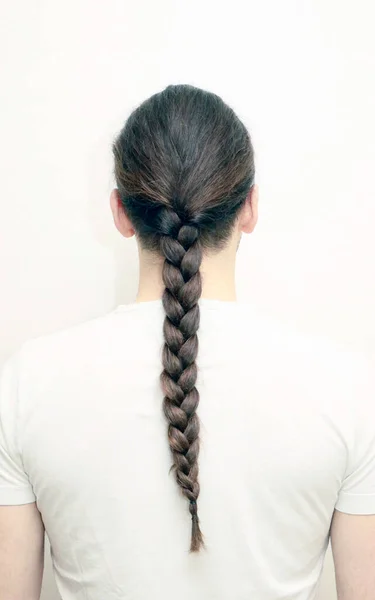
[{"x": 184, "y": 166}]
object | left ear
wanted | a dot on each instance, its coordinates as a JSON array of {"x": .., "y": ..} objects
[
  {"x": 249, "y": 212},
  {"x": 120, "y": 217}
]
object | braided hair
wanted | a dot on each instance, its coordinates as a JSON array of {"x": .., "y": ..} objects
[{"x": 184, "y": 165}]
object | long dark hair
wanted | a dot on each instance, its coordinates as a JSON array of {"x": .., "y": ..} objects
[{"x": 184, "y": 164}]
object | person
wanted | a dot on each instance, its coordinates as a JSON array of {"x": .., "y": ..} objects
[{"x": 159, "y": 469}]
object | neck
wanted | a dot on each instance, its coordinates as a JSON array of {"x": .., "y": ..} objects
[{"x": 218, "y": 276}]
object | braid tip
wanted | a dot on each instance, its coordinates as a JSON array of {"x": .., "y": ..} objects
[{"x": 197, "y": 542}]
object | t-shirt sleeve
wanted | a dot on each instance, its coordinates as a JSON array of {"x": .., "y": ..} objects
[
  {"x": 357, "y": 492},
  {"x": 15, "y": 487}
]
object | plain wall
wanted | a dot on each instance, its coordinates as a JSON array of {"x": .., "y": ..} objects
[{"x": 300, "y": 73}]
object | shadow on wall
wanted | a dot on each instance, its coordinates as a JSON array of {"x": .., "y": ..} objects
[
  {"x": 100, "y": 181},
  {"x": 49, "y": 589}
]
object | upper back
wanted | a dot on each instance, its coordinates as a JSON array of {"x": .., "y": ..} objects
[{"x": 280, "y": 416}]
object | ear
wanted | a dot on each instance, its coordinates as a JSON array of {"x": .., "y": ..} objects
[
  {"x": 120, "y": 217},
  {"x": 249, "y": 212}
]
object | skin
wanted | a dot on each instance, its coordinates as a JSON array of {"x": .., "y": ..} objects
[
  {"x": 21, "y": 527},
  {"x": 353, "y": 548},
  {"x": 21, "y": 552}
]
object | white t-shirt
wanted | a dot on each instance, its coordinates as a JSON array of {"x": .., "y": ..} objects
[{"x": 288, "y": 435}]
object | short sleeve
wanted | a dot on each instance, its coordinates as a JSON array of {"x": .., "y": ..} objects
[
  {"x": 15, "y": 487},
  {"x": 357, "y": 493}
]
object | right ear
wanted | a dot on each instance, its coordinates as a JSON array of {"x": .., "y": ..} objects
[
  {"x": 120, "y": 217},
  {"x": 249, "y": 213}
]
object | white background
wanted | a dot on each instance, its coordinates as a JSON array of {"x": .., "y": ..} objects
[{"x": 302, "y": 76}]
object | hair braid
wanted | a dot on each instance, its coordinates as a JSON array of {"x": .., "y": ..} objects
[{"x": 182, "y": 279}]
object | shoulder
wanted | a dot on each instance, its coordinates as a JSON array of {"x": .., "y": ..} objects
[
  {"x": 42, "y": 359},
  {"x": 319, "y": 363},
  {"x": 70, "y": 343},
  {"x": 114, "y": 337}
]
